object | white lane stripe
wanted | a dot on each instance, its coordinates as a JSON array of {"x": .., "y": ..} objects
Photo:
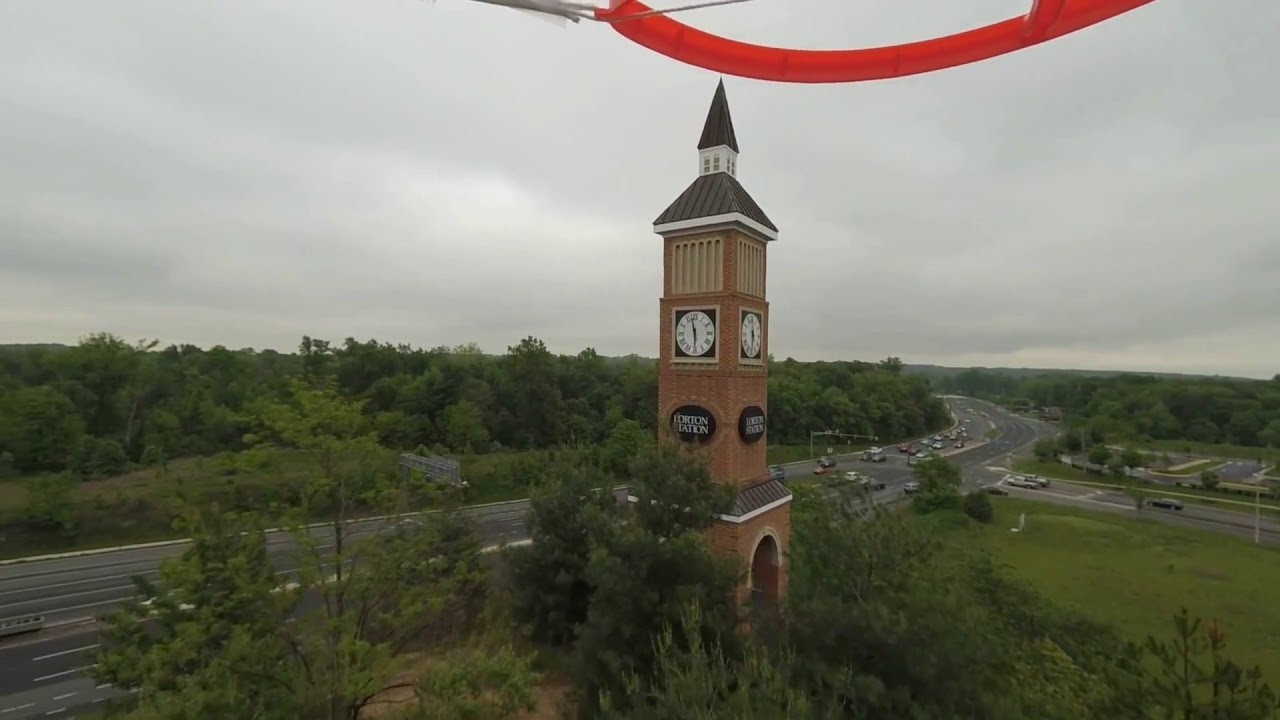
[
  {"x": 113, "y": 588},
  {"x": 64, "y": 672},
  {"x": 69, "y": 583},
  {"x": 64, "y": 696},
  {"x": 64, "y": 652},
  {"x": 17, "y": 707}
]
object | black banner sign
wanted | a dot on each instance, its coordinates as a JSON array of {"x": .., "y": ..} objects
[
  {"x": 693, "y": 424},
  {"x": 751, "y": 424}
]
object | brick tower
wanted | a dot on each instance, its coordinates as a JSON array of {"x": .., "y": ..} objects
[{"x": 713, "y": 359}]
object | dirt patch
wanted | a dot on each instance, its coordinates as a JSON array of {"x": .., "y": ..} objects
[
  {"x": 13, "y": 496},
  {"x": 549, "y": 696},
  {"x": 1213, "y": 574}
]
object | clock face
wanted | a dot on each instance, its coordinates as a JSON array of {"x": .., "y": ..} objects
[
  {"x": 752, "y": 335},
  {"x": 695, "y": 333}
]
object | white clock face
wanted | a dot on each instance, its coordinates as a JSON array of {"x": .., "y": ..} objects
[
  {"x": 751, "y": 335},
  {"x": 695, "y": 333}
]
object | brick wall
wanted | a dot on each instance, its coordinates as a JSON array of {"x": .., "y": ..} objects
[{"x": 724, "y": 387}]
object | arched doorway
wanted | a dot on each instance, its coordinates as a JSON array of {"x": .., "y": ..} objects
[{"x": 764, "y": 575}]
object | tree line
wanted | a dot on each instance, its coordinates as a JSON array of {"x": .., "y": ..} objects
[
  {"x": 1142, "y": 407},
  {"x": 105, "y": 405},
  {"x": 883, "y": 619}
]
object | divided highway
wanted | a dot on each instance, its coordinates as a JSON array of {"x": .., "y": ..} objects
[{"x": 43, "y": 673}]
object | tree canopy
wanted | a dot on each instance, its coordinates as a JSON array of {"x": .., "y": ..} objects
[
  {"x": 98, "y": 407},
  {"x": 1134, "y": 406}
]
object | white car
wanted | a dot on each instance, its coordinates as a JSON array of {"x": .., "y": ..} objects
[{"x": 1020, "y": 482}]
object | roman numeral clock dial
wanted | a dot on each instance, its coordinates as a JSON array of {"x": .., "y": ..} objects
[
  {"x": 752, "y": 334},
  {"x": 695, "y": 333}
]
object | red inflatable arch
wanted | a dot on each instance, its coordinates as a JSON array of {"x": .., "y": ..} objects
[{"x": 1047, "y": 20}]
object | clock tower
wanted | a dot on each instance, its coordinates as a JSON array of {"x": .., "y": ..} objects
[{"x": 714, "y": 345}]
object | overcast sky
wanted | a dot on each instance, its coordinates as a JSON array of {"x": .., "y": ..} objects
[{"x": 244, "y": 173}]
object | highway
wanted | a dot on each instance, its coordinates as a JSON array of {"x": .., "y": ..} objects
[{"x": 44, "y": 672}]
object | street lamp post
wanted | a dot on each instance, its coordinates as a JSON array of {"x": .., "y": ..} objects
[
  {"x": 836, "y": 433},
  {"x": 1257, "y": 515}
]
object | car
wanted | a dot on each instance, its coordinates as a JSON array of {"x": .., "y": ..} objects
[
  {"x": 873, "y": 484},
  {"x": 1020, "y": 482},
  {"x": 959, "y": 443},
  {"x": 823, "y": 470},
  {"x": 854, "y": 476},
  {"x": 777, "y": 473},
  {"x": 911, "y": 488},
  {"x": 1042, "y": 482},
  {"x": 904, "y": 448},
  {"x": 937, "y": 446},
  {"x": 995, "y": 490},
  {"x": 1165, "y": 503}
]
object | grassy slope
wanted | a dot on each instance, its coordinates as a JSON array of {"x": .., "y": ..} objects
[{"x": 1135, "y": 574}]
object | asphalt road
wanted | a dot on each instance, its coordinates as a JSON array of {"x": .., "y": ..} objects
[
  {"x": 1238, "y": 523},
  {"x": 44, "y": 673}
]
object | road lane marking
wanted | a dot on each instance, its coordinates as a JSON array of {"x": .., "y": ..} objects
[
  {"x": 55, "y": 712},
  {"x": 64, "y": 696},
  {"x": 17, "y": 707},
  {"x": 64, "y": 672},
  {"x": 64, "y": 652},
  {"x": 78, "y": 582},
  {"x": 114, "y": 588}
]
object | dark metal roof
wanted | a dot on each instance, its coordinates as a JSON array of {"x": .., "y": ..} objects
[
  {"x": 715, "y": 194},
  {"x": 757, "y": 496},
  {"x": 718, "y": 129}
]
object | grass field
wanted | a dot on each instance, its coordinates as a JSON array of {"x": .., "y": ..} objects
[
  {"x": 1135, "y": 574},
  {"x": 778, "y": 454}
]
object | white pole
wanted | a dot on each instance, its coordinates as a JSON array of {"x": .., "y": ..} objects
[{"x": 1257, "y": 516}]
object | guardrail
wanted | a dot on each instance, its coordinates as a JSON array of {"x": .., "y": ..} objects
[{"x": 18, "y": 626}]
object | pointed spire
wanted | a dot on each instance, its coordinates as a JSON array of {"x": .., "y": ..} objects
[{"x": 718, "y": 129}]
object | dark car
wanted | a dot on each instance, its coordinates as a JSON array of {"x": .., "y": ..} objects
[
  {"x": 1165, "y": 503},
  {"x": 995, "y": 490}
]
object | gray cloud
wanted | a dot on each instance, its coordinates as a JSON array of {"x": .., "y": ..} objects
[{"x": 439, "y": 173}]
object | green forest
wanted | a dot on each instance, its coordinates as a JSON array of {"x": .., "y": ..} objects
[
  {"x": 1140, "y": 408},
  {"x": 625, "y": 612},
  {"x": 106, "y": 440}
]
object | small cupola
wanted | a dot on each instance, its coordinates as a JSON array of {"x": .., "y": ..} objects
[{"x": 718, "y": 147}]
